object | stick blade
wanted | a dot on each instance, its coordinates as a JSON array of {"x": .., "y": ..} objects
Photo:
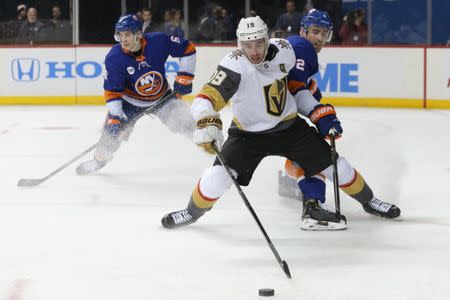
[
  {"x": 286, "y": 269},
  {"x": 24, "y": 182}
]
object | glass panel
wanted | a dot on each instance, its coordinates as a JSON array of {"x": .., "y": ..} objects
[
  {"x": 440, "y": 23},
  {"x": 35, "y": 23},
  {"x": 214, "y": 21},
  {"x": 399, "y": 21},
  {"x": 97, "y": 21}
]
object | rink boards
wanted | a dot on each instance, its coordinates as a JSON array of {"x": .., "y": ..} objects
[{"x": 369, "y": 76}]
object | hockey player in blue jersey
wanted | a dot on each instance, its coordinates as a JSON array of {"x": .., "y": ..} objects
[
  {"x": 316, "y": 31},
  {"x": 135, "y": 79}
]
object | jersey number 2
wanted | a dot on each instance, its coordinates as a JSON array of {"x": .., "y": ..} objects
[{"x": 300, "y": 64}]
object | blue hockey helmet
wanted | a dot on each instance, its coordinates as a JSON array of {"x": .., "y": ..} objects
[
  {"x": 318, "y": 18},
  {"x": 127, "y": 23}
]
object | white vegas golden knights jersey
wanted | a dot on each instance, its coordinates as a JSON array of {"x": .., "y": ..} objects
[{"x": 260, "y": 98}]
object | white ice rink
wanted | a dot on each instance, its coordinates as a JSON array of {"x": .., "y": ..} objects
[{"x": 99, "y": 237}]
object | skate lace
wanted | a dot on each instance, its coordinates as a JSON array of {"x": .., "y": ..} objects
[
  {"x": 181, "y": 216},
  {"x": 379, "y": 205},
  {"x": 324, "y": 207}
]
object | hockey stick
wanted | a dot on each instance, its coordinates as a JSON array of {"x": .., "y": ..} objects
[
  {"x": 283, "y": 264},
  {"x": 30, "y": 182},
  {"x": 337, "y": 198}
]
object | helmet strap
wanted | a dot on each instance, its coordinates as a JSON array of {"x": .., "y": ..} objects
[{"x": 137, "y": 43}]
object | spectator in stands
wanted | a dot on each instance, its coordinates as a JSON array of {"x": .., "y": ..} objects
[
  {"x": 139, "y": 15},
  {"x": 56, "y": 15},
  {"x": 147, "y": 25},
  {"x": 30, "y": 31},
  {"x": 354, "y": 29},
  {"x": 11, "y": 29},
  {"x": 228, "y": 31},
  {"x": 208, "y": 29},
  {"x": 289, "y": 22},
  {"x": 167, "y": 19},
  {"x": 57, "y": 30},
  {"x": 174, "y": 26},
  {"x": 178, "y": 23},
  {"x": 22, "y": 13}
]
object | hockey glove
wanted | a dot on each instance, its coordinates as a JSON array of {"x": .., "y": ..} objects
[
  {"x": 209, "y": 129},
  {"x": 115, "y": 124},
  {"x": 324, "y": 117},
  {"x": 183, "y": 84}
]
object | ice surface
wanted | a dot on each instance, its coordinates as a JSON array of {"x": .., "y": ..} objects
[{"x": 99, "y": 237}]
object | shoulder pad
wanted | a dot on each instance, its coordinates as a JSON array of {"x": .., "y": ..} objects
[
  {"x": 233, "y": 60},
  {"x": 281, "y": 43},
  {"x": 236, "y": 54},
  {"x": 155, "y": 35},
  {"x": 301, "y": 44},
  {"x": 113, "y": 53},
  {"x": 285, "y": 52}
]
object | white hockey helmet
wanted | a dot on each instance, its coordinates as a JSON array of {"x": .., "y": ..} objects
[{"x": 250, "y": 29}]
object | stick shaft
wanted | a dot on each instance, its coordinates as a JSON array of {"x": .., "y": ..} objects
[
  {"x": 151, "y": 109},
  {"x": 337, "y": 198},
  {"x": 282, "y": 263}
]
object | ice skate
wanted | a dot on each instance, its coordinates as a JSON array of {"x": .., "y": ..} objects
[
  {"x": 316, "y": 217},
  {"x": 287, "y": 187},
  {"x": 178, "y": 219},
  {"x": 90, "y": 166},
  {"x": 381, "y": 209}
]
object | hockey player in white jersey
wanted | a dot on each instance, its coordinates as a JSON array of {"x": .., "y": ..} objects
[{"x": 254, "y": 78}]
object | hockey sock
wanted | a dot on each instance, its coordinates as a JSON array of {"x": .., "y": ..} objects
[
  {"x": 313, "y": 188},
  {"x": 199, "y": 204},
  {"x": 358, "y": 189}
]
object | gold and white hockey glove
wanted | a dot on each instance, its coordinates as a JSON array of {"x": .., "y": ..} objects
[{"x": 209, "y": 129}]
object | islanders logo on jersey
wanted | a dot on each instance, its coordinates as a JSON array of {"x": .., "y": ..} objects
[
  {"x": 275, "y": 94},
  {"x": 149, "y": 84}
]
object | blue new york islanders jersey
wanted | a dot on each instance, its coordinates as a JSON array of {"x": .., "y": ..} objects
[
  {"x": 306, "y": 66},
  {"x": 142, "y": 77}
]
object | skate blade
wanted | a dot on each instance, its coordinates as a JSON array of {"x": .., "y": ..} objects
[
  {"x": 397, "y": 219},
  {"x": 314, "y": 225}
]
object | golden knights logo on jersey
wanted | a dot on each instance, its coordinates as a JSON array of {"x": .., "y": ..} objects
[
  {"x": 236, "y": 54},
  {"x": 276, "y": 94},
  {"x": 284, "y": 44}
]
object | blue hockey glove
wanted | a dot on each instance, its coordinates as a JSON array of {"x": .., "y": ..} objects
[
  {"x": 324, "y": 117},
  {"x": 183, "y": 84},
  {"x": 114, "y": 125}
]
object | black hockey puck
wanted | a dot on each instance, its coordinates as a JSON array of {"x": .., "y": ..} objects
[{"x": 266, "y": 292}]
